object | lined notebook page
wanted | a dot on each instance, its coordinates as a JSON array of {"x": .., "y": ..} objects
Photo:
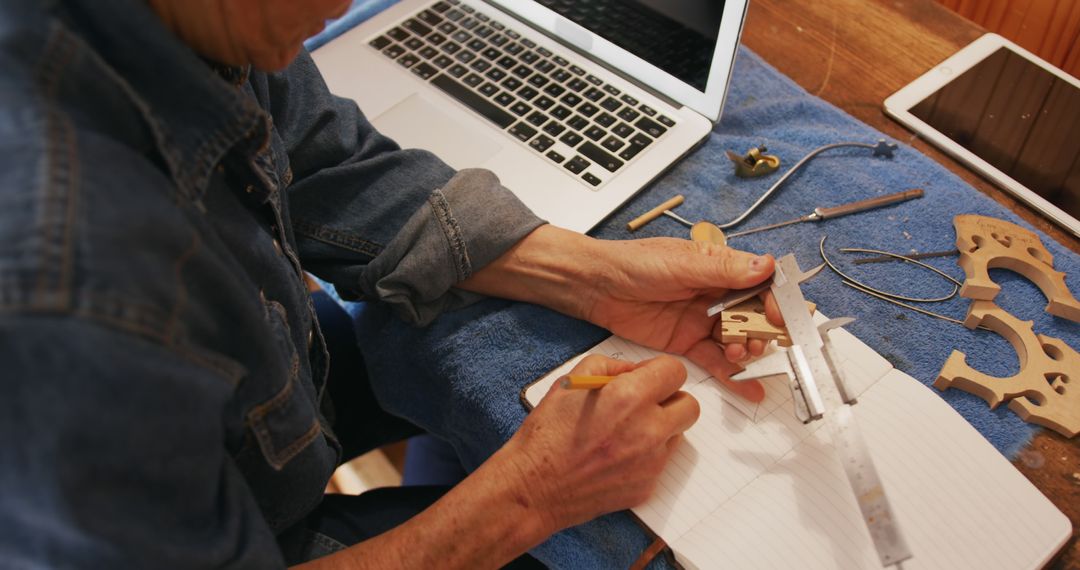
[{"x": 752, "y": 487}]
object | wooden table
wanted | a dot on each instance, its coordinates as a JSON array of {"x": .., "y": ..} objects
[{"x": 854, "y": 54}]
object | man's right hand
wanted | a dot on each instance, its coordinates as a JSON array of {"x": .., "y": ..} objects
[{"x": 584, "y": 453}]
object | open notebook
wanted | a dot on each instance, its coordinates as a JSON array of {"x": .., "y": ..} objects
[{"x": 754, "y": 488}]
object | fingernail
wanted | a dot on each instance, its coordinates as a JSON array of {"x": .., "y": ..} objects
[{"x": 757, "y": 263}]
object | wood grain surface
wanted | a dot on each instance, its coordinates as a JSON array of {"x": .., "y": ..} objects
[{"x": 854, "y": 54}]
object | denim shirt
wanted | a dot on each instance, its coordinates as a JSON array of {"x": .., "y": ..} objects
[{"x": 161, "y": 373}]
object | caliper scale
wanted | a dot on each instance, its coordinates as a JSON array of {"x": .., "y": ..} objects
[{"x": 819, "y": 391}]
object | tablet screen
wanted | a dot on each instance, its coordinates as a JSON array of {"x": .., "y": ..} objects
[{"x": 1018, "y": 117}]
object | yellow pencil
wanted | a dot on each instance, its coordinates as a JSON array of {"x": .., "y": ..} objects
[{"x": 585, "y": 382}]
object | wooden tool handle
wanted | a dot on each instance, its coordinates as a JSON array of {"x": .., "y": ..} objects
[
  {"x": 845, "y": 209},
  {"x": 654, "y": 213}
]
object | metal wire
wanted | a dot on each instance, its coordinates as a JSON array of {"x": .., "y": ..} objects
[
  {"x": 880, "y": 149},
  {"x": 956, "y": 284}
]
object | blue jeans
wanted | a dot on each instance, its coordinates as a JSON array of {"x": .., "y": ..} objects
[{"x": 361, "y": 425}]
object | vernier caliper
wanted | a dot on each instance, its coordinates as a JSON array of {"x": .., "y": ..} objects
[{"x": 818, "y": 390}]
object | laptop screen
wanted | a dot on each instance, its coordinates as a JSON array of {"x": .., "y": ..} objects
[
  {"x": 683, "y": 49},
  {"x": 677, "y": 36}
]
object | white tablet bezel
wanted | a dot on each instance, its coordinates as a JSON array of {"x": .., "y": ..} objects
[
  {"x": 899, "y": 104},
  {"x": 708, "y": 102}
]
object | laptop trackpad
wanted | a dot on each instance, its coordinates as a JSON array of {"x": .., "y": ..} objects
[{"x": 416, "y": 123}]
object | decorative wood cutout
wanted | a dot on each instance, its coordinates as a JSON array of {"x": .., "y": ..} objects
[
  {"x": 747, "y": 320},
  {"x": 1041, "y": 392},
  {"x": 989, "y": 243}
]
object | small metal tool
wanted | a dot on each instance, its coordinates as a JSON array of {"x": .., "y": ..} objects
[
  {"x": 755, "y": 163},
  {"x": 842, "y": 210},
  {"x": 819, "y": 390},
  {"x": 882, "y": 148}
]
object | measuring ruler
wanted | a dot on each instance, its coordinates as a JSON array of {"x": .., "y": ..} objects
[{"x": 819, "y": 391}]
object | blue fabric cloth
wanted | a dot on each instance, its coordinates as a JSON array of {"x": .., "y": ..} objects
[{"x": 470, "y": 365}]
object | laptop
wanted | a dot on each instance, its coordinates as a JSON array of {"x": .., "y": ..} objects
[{"x": 575, "y": 104}]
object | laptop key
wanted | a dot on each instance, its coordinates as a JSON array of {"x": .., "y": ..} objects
[
  {"x": 595, "y": 133},
  {"x": 476, "y": 45},
  {"x": 543, "y": 102},
  {"x": 380, "y": 42},
  {"x": 416, "y": 27},
  {"x": 541, "y": 143},
  {"x": 428, "y": 52},
  {"x": 560, "y": 60},
  {"x": 472, "y": 80},
  {"x": 554, "y": 90},
  {"x": 497, "y": 25},
  {"x": 442, "y": 61},
  {"x": 528, "y": 43},
  {"x": 590, "y": 179},
  {"x": 465, "y": 56},
  {"x": 483, "y": 31},
  {"x": 522, "y": 71},
  {"x": 491, "y": 53},
  {"x": 560, "y": 75},
  {"x": 536, "y": 119},
  {"x": 495, "y": 74},
  {"x": 467, "y": 8},
  {"x": 665, "y": 121},
  {"x": 441, "y": 7},
  {"x": 474, "y": 101},
  {"x": 576, "y": 85},
  {"x": 393, "y": 51},
  {"x": 527, "y": 93},
  {"x": 651, "y": 127},
  {"x": 469, "y": 23},
  {"x": 628, "y": 114},
  {"x": 554, "y": 129},
  {"x": 457, "y": 70},
  {"x": 571, "y": 139},
  {"x": 498, "y": 40},
  {"x": 594, "y": 80},
  {"x": 451, "y": 48},
  {"x": 504, "y": 99},
  {"x": 612, "y": 143},
  {"x": 623, "y": 130},
  {"x": 520, "y": 109},
  {"x": 611, "y": 104},
  {"x": 538, "y": 80},
  {"x": 447, "y": 28},
  {"x": 612, "y": 90},
  {"x": 461, "y": 36},
  {"x": 629, "y": 100},
  {"x": 605, "y": 120},
  {"x": 513, "y": 49},
  {"x": 511, "y": 83},
  {"x": 588, "y": 109},
  {"x": 424, "y": 70},
  {"x": 600, "y": 156},
  {"x": 571, "y": 100},
  {"x": 488, "y": 89},
  {"x": 529, "y": 57},
  {"x": 558, "y": 158},
  {"x": 576, "y": 70},
  {"x": 593, "y": 94},
  {"x": 543, "y": 51},
  {"x": 398, "y": 34},
  {"x": 522, "y": 131},
  {"x": 436, "y": 39},
  {"x": 482, "y": 17},
  {"x": 560, "y": 112},
  {"x": 513, "y": 34},
  {"x": 414, "y": 43},
  {"x": 577, "y": 165},
  {"x": 577, "y": 122},
  {"x": 480, "y": 65},
  {"x": 430, "y": 18},
  {"x": 647, "y": 110},
  {"x": 506, "y": 62},
  {"x": 408, "y": 60},
  {"x": 544, "y": 66}
]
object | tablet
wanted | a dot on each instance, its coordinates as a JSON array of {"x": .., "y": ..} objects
[{"x": 1011, "y": 116}]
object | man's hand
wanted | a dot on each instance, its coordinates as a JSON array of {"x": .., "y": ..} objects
[
  {"x": 584, "y": 453},
  {"x": 652, "y": 291}
]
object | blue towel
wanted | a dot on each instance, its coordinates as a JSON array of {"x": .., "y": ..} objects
[{"x": 460, "y": 378}]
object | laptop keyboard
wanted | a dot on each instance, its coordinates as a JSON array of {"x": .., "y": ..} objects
[{"x": 572, "y": 117}]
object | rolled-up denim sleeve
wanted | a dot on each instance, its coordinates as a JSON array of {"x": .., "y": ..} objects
[
  {"x": 113, "y": 455},
  {"x": 379, "y": 221}
]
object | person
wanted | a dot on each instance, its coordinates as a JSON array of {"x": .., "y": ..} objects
[{"x": 170, "y": 169}]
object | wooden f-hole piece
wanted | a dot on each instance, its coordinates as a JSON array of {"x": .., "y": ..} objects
[{"x": 989, "y": 243}]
